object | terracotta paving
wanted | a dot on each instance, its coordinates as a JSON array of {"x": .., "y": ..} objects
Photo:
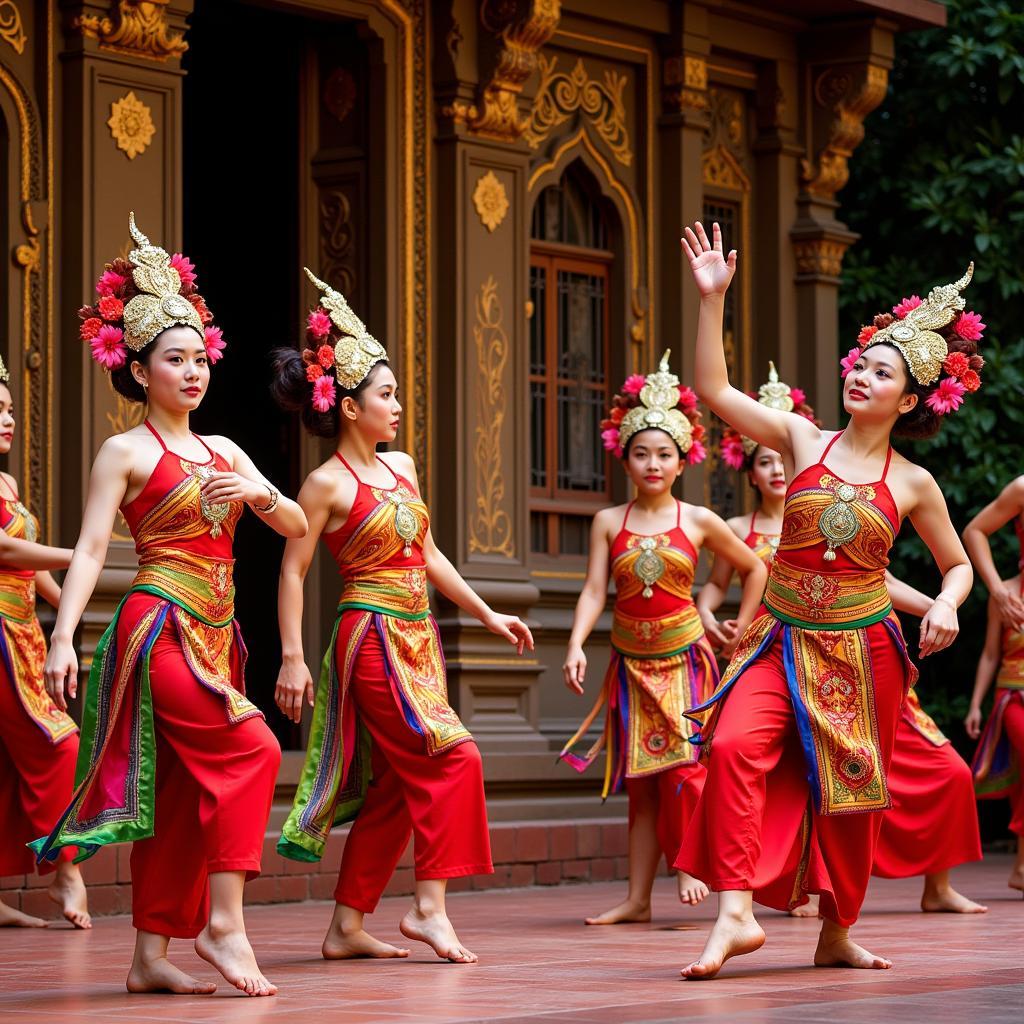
[{"x": 540, "y": 965}]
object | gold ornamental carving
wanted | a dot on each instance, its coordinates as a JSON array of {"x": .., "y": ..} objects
[
  {"x": 819, "y": 256},
  {"x": 850, "y": 94},
  {"x": 131, "y": 125},
  {"x": 685, "y": 84},
  {"x": 560, "y": 95},
  {"x": 337, "y": 240},
  {"x": 11, "y": 30},
  {"x": 490, "y": 200},
  {"x": 138, "y": 27},
  {"x": 490, "y": 525}
]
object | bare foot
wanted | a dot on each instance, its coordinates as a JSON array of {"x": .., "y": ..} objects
[
  {"x": 231, "y": 954},
  {"x": 627, "y": 912},
  {"x": 691, "y": 890},
  {"x": 350, "y": 945},
  {"x": 437, "y": 932},
  {"x": 842, "y": 951},
  {"x": 67, "y": 890},
  {"x": 1016, "y": 879},
  {"x": 160, "y": 975},
  {"x": 809, "y": 909},
  {"x": 11, "y": 918},
  {"x": 949, "y": 901},
  {"x": 729, "y": 937}
]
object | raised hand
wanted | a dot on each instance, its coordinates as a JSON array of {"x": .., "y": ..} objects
[{"x": 712, "y": 271}]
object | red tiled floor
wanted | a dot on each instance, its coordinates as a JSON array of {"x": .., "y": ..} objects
[{"x": 540, "y": 965}]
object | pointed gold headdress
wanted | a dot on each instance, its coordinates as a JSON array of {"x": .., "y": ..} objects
[
  {"x": 5, "y": 376},
  {"x": 914, "y": 336},
  {"x": 659, "y": 398},
  {"x": 774, "y": 394},
  {"x": 159, "y": 304},
  {"x": 357, "y": 351}
]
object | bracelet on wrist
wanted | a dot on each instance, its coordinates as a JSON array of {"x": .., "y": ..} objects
[{"x": 271, "y": 504}]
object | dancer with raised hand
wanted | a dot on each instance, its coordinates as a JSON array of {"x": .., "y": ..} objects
[
  {"x": 175, "y": 758},
  {"x": 661, "y": 664},
  {"x": 38, "y": 740},
  {"x": 817, "y": 683},
  {"x": 385, "y": 747}
]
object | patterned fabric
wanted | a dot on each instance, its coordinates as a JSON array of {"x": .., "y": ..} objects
[
  {"x": 1010, "y": 675},
  {"x": 996, "y": 764},
  {"x": 22, "y": 646},
  {"x": 185, "y": 565},
  {"x": 922, "y": 721},
  {"x": 825, "y": 600}
]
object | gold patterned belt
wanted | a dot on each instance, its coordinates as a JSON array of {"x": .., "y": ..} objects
[
  {"x": 826, "y": 600},
  {"x": 202, "y": 585},
  {"x": 17, "y": 597},
  {"x": 655, "y": 638},
  {"x": 399, "y": 592}
]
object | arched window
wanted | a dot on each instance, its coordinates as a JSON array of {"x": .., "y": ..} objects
[{"x": 570, "y": 266}]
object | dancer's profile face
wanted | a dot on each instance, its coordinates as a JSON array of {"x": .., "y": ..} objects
[
  {"x": 6, "y": 420},
  {"x": 768, "y": 474},
  {"x": 376, "y": 413},
  {"x": 875, "y": 389},
  {"x": 177, "y": 373},
  {"x": 653, "y": 462}
]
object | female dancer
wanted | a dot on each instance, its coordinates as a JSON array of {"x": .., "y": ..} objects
[
  {"x": 824, "y": 668},
  {"x": 38, "y": 741},
  {"x": 933, "y": 823},
  {"x": 175, "y": 758},
  {"x": 661, "y": 664},
  {"x": 385, "y": 744}
]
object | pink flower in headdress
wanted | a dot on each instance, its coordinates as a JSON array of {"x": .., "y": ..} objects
[
  {"x": 687, "y": 398},
  {"x": 90, "y": 328},
  {"x": 847, "y": 362},
  {"x": 866, "y": 334},
  {"x": 969, "y": 326},
  {"x": 610, "y": 438},
  {"x": 325, "y": 356},
  {"x": 731, "y": 449},
  {"x": 111, "y": 307},
  {"x": 215, "y": 343},
  {"x": 906, "y": 306},
  {"x": 323, "y": 393},
  {"x": 970, "y": 380},
  {"x": 634, "y": 384},
  {"x": 185, "y": 268},
  {"x": 110, "y": 282},
  {"x": 314, "y": 370},
  {"x": 947, "y": 397},
  {"x": 956, "y": 364},
  {"x": 798, "y": 396},
  {"x": 107, "y": 347},
  {"x": 697, "y": 453},
  {"x": 319, "y": 323}
]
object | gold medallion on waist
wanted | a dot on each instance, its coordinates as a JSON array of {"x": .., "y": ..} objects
[
  {"x": 649, "y": 566},
  {"x": 213, "y": 514}
]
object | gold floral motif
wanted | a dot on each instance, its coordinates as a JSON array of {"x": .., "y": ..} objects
[
  {"x": 490, "y": 200},
  {"x": 138, "y": 27},
  {"x": 131, "y": 125},
  {"x": 820, "y": 256},
  {"x": 11, "y": 30},
  {"x": 491, "y": 526},
  {"x": 560, "y": 95},
  {"x": 685, "y": 84}
]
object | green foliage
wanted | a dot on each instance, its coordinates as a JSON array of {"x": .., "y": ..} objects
[{"x": 939, "y": 180}]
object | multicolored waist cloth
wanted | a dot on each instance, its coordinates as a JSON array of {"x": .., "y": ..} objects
[
  {"x": 23, "y": 652},
  {"x": 336, "y": 771},
  {"x": 659, "y": 669},
  {"x": 116, "y": 772},
  {"x": 401, "y": 592},
  {"x": 1011, "y": 665},
  {"x": 823, "y": 622},
  {"x": 996, "y": 764}
]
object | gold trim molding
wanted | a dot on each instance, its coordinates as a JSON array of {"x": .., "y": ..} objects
[
  {"x": 11, "y": 30},
  {"x": 490, "y": 200},
  {"x": 821, "y": 257},
  {"x": 491, "y": 525},
  {"x": 560, "y": 95},
  {"x": 684, "y": 84},
  {"x": 138, "y": 27},
  {"x": 131, "y": 125},
  {"x": 720, "y": 168}
]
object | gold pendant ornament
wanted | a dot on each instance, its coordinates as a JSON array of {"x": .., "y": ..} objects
[
  {"x": 30, "y": 524},
  {"x": 213, "y": 514},
  {"x": 649, "y": 566},
  {"x": 406, "y": 524},
  {"x": 839, "y": 523}
]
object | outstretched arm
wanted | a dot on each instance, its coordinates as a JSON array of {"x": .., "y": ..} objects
[
  {"x": 988, "y": 664},
  {"x": 27, "y": 554},
  {"x": 1009, "y": 505},
  {"x": 591, "y": 603}
]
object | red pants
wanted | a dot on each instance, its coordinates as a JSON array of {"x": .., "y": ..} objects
[
  {"x": 933, "y": 822},
  {"x": 746, "y": 832},
  {"x": 1013, "y": 727},
  {"x": 37, "y": 779},
  {"x": 437, "y": 800},
  {"x": 674, "y": 793},
  {"x": 214, "y": 786}
]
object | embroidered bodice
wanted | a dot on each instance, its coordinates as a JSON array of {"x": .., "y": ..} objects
[
  {"x": 764, "y": 545},
  {"x": 17, "y": 521}
]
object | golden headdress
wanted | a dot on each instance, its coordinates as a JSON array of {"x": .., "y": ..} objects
[
  {"x": 658, "y": 409},
  {"x": 914, "y": 335},
  {"x": 357, "y": 351},
  {"x": 5, "y": 375},
  {"x": 159, "y": 304}
]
